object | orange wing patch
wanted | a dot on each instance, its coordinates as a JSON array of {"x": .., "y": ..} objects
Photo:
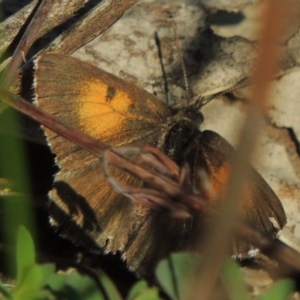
[
  {"x": 219, "y": 179},
  {"x": 102, "y": 109},
  {"x": 97, "y": 102}
]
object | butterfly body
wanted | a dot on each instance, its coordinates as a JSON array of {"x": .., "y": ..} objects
[{"x": 83, "y": 205}]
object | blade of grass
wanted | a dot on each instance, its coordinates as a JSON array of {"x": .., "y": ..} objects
[
  {"x": 220, "y": 237},
  {"x": 17, "y": 209}
]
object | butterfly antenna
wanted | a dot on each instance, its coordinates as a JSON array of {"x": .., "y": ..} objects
[
  {"x": 186, "y": 83},
  {"x": 158, "y": 45}
]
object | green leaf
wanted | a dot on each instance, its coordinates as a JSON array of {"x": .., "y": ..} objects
[
  {"x": 33, "y": 281},
  {"x": 280, "y": 290},
  {"x": 108, "y": 286},
  {"x": 76, "y": 287},
  {"x": 4, "y": 291},
  {"x": 138, "y": 288},
  {"x": 233, "y": 280},
  {"x": 82, "y": 287},
  {"x": 3, "y": 107},
  {"x": 57, "y": 282},
  {"x": 148, "y": 294},
  {"x": 176, "y": 274},
  {"x": 141, "y": 291},
  {"x": 25, "y": 251}
]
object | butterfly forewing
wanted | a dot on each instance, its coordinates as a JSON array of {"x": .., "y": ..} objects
[{"x": 83, "y": 205}]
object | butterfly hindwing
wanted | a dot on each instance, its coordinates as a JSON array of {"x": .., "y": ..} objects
[{"x": 260, "y": 203}]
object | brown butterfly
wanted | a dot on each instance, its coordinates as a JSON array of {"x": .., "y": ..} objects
[{"x": 84, "y": 206}]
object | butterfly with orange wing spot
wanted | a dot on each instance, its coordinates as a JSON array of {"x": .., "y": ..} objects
[{"x": 84, "y": 206}]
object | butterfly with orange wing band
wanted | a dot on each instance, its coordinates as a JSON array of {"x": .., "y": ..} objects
[{"x": 82, "y": 203}]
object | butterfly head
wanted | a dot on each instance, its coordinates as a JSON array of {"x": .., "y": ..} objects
[{"x": 189, "y": 113}]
